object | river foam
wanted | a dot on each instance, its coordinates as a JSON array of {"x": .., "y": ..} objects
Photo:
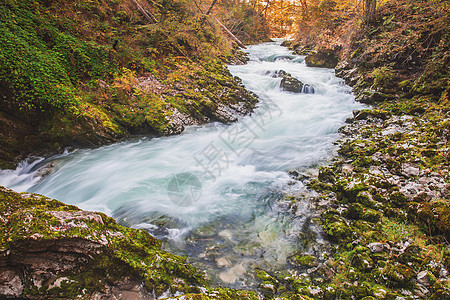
[{"x": 216, "y": 192}]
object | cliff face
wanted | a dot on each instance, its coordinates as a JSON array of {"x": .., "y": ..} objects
[{"x": 77, "y": 73}]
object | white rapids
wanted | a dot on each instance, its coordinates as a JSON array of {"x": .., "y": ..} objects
[{"x": 216, "y": 192}]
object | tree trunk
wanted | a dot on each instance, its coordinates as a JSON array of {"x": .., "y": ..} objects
[
  {"x": 231, "y": 35},
  {"x": 211, "y": 7},
  {"x": 150, "y": 18},
  {"x": 370, "y": 7}
]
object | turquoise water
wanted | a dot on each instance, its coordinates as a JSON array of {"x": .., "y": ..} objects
[{"x": 216, "y": 193}]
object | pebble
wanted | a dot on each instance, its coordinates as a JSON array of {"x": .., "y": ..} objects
[
  {"x": 376, "y": 247},
  {"x": 410, "y": 170},
  {"x": 223, "y": 262},
  {"x": 422, "y": 278}
]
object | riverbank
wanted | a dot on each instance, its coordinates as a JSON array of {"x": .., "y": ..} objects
[
  {"x": 385, "y": 200},
  {"x": 53, "y": 250},
  {"x": 84, "y": 74}
]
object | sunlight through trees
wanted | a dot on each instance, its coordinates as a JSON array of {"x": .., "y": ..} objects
[{"x": 287, "y": 17}]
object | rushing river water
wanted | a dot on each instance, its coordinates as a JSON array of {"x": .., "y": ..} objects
[{"x": 216, "y": 193}]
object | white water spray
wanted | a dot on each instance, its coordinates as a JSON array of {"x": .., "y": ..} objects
[{"x": 216, "y": 181}]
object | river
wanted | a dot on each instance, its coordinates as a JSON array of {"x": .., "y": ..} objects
[{"x": 216, "y": 193}]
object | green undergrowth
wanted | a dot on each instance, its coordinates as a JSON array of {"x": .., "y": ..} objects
[
  {"x": 85, "y": 73},
  {"x": 391, "y": 184},
  {"x": 385, "y": 200},
  {"x": 403, "y": 54}
]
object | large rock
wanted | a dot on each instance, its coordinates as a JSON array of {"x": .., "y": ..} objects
[
  {"x": 49, "y": 250},
  {"x": 277, "y": 73},
  {"x": 426, "y": 278},
  {"x": 291, "y": 84},
  {"x": 376, "y": 247},
  {"x": 322, "y": 59}
]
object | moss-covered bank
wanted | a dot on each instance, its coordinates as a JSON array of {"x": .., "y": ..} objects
[
  {"x": 50, "y": 250},
  {"x": 385, "y": 200}
]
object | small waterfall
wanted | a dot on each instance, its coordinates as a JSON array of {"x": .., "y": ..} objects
[{"x": 307, "y": 89}]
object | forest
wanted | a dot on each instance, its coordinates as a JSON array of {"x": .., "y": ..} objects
[{"x": 224, "y": 149}]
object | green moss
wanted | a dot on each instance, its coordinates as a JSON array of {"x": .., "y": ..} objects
[
  {"x": 398, "y": 199},
  {"x": 220, "y": 293},
  {"x": 372, "y": 215},
  {"x": 363, "y": 262},
  {"x": 306, "y": 260},
  {"x": 326, "y": 175},
  {"x": 347, "y": 192},
  {"x": 265, "y": 277},
  {"x": 383, "y": 77},
  {"x": 366, "y": 199},
  {"x": 124, "y": 251},
  {"x": 440, "y": 294},
  {"x": 338, "y": 231},
  {"x": 354, "y": 211},
  {"x": 399, "y": 274},
  {"x": 319, "y": 186}
]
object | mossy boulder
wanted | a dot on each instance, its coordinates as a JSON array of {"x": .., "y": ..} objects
[
  {"x": 399, "y": 274},
  {"x": 303, "y": 260},
  {"x": 371, "y": 215},
  {"x": 362, "y": 261},
  {"x": 319, "y": 186},
  {"x": 326, "y": 175},
  {"x": 371, "y": 97},
  {"x": 52, "y": 250},
  {"x": 266, "y": 277},
  {"x": 365, "y": 198},
  {"x": 291, "y": 84},
  {"x": 348, "y": 191},
  {"x": 434, "y": 216},
  {"x": 325, "y": 58},
  {"x": 267, "y": 288},
  {"x": 354, "y": 211},
  {"x": 398, "y": 199},
  {"x": 371, "y": 113},
  {"x": 338, "y": 231}
]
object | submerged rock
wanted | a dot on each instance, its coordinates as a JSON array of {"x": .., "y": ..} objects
[
  {"x": 289, "y": 83},
  {"x": 303, "y": 260},
  {"x": 277, "y": 73}
]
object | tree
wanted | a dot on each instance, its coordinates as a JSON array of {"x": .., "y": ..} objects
[{"x": 370, "y": 7}]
